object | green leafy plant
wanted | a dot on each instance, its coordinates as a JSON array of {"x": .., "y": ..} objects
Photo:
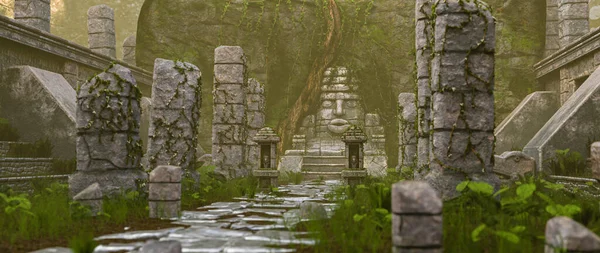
[
  {"x": 83, "y": 243},
  {"x": 569, "y": 163}
]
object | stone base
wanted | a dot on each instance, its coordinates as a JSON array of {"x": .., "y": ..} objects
[
  {"x": 267, "y": 178},
  {"x": 164, "y": 209},
  {"x": 445, "y": 183},
  {"x": 290, "y": 163},
  {"x": 353, "y": 177},
  {"x": 376, "y": 165},
  {"x": 111, "y": 181}
]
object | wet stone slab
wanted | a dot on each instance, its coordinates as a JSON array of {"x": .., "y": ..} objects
[{"x": 250, "y": 225}]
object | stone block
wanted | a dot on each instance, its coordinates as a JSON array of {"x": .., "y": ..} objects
[
  {"x": 229, "y": 55},
  {"x": 91, "y": 197},
  {"x": 375, "y": 165},
  {"x": 470, "y": 153},
  {"x": 166, "y": 174},
  {"x": 24, "y": 92},
  {"x": 111, "y": 181},
  {"x": 290, "y": 162},
  {"x": 97, "y": 25},
  {"x": 424, "y": 58},
  {"x": 101, "y": 11},
  {"x": 573, "y": 28},
  {"x": 525, "y": 121},
  {"x": 255, "y": 120},
  {"x": 228, "y": 134},
  {"x": 164, "y": 209},
  {"x": 463, "y": 72},
  {"x": 229, "y": 94},
  {"x": 176, "y": 85},
  {"x": 108, "y": 151},
  {"x": 462, "y": 31},
  {"x": 571, "y": 126},
  {"x": 161, "y": 247},
  {"x": 415, "y": 197},
  {"x": 229, "y": 114},
  {"x": 473, "y": 111},
  {"x": 514, "y": 164},
  {"x": 424, "y": 34},
  {"x": 34, "y": 13},
  {"x": 129, "y": 45},
  {"x": 229, "y": 74},
  {"x": 564, "y": 234},
  {"x": 573, "y": 10},
  {"x": 417, "y": 231},
  {"x": 164, "y": 191},
  {"x": 102, "y": 40}
]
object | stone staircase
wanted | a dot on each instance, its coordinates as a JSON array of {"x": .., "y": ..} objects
[{"x": 323, "y": 167}]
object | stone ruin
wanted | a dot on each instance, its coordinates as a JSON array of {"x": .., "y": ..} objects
[
  {"x": 318, "y": 148},
  {"x": 108, "y": 142}
]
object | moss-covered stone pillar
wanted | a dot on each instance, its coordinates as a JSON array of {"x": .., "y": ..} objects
[
  {"x": 255, "y": 120},
  {"x": 101, "y": 30},
  {"x": 573, "y": 20},
  {"x": 173, "y": 131},
  {"x": 407, "y": 138},
  {"x": 552, "y": 44},
  {"x": 462, "y": 95},
  {"x": 229, "y": 112},
  {"x": 34, "y": 13},
  {"x": 424, "y": 42}
]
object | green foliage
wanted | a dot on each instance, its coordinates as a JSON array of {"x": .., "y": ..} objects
[
  {"x": 7, "y": 132},
  {"x": 213, "y": 187},
  {"x": 39, "y": 149},
  {"x": 83, "y": 243},
  {"x": 569, "y": 163}
]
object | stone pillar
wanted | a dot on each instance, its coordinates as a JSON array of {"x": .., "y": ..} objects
[
  {"x": 173, "y": 131},
  {"x": 34, "y": 13},
  {"x": 424, "y": 39},
  {"x": 165, "y": 192},
  {"x": 416, "y": 218},
  {"x": 129, "y": 50},
  {"x": 463, "y": 96},
  {"x": 552, "y": 40},
  {"x": 573, "y": 20},
  {"x": 595, "y": 159},
  {"x": 108, "y": 142},
  {"x": 101, "y": 30},
  {"x": 407, "y": 138},
  {"x": 566, "y": 235},
  {"x": 229, "y": 114},
  {"x": 91, "y": 197},
  {"x": 71, "y": 73},
  {"x": 255, "y": 120}
]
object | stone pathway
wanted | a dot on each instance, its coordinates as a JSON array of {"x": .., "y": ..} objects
[{"x": 248, "y": 225}]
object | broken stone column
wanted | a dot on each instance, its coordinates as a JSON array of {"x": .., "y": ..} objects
[
  {"x": 463, "y": 96},
  {"x": 165, "y": 192},
  {"x": 101, "y": 30},
  {"x": 176, "y": 100},
  {"x": 34, "y": 13},
  {"x": 108, "y": 142},
  {"x": 424, "y": 40},
  {"x": 563, "y": 234},
  {"x": 407, "y": 138},
  {"x": 229, "y": 134},
  {"x": 255, "y": 120},
  {"x": 595, "y": 159},
  {"x": 552, "y": 40},
  {"x": 573, "y": 20},
  {"x": 129, "y": 50},
  {"x": 416, "y": 218},
  {"x": 91, "y": 197}
]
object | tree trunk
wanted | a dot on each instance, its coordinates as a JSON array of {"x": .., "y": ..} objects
[{"x": 309, "y": 97}]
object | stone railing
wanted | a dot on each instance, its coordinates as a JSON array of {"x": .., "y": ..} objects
[{"x": 23, "y": 167}]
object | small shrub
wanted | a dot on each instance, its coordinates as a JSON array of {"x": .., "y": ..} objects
[
  {"x": 83, "y": 243},
  {"x": 7, "y": 132}
]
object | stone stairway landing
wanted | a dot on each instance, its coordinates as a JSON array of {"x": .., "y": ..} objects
[{"x": 325, "y": 167}]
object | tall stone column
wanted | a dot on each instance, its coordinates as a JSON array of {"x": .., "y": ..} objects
[
  {"x": 229, "y": 134},
  {"x": 462, "y": 95},
  {"x": 407, "y": 138},
  {"x": 573, "y": 20},
  {"x": 173, "y": 131},
  {"x": 129, "y": 50},
  {"x": 424, "y": 40},
  {"x": 34, "y": 13},
  {"x": 101, "y": 30},
  {"x": 255, "y": 120},
  {"x": 108, "y": 142},
  {"x": 552, "y": 40}
]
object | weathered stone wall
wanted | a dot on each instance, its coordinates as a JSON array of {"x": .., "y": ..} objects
[
  {"x": 22, "y": 167},
  {"x": 575, "y": 73}
]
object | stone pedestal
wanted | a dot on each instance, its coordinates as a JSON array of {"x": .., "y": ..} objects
[
  {"x": 101, "y": 30},
  {"x": 34, "y": 13},
  {"x": 267, "y": 179},
  {"x": 91, "y": 197},
  {"x": 416, "y": 218},
  {"x": 165, "y": 192},
  {"x": 353, "y": 177},
  {"x": 109, "y": 149}
]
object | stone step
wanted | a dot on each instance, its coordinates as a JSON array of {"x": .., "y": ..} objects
[
  {"x": 308, "y": 175},
  {"x": 324, "y": 160},
  {"x": 323, "y": 167}
]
